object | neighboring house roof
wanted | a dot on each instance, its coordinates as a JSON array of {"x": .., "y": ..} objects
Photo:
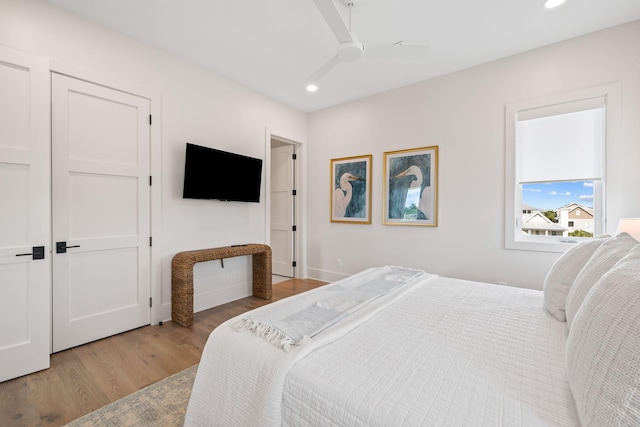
[
  {"x": 538, "y": 221},
  {"x": 529, "y": 208},
  {"x": 536, "y": 216},
  {"x": 568, "y": 206},
  {"x": 573, "y": 206},
  {"x": 582, "y": 208},
  {"x": 543, "y": 226}
]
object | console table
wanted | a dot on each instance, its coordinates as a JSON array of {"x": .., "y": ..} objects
[{"x": 182, "y": 275}]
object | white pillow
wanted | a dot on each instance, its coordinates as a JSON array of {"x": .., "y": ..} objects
[
  {"x": 608, "y": 253},
  {"x": 564, "y": 272},
  {"x": 603, "y": 348}
]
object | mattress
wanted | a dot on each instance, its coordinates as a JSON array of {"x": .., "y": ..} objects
[{"x": 444, "y": 352}]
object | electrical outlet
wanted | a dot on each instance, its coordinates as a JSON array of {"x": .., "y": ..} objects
[{"x": 339, "y": 262}]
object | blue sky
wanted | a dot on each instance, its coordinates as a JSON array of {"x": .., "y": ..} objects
[{"x": 550, "y": 196}]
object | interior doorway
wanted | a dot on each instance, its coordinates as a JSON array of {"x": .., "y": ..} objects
[
  {"x": 283, "y": 208},
  {"x": 100, "y": 211}
]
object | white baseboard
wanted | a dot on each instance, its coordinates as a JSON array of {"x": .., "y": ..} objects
[{"x": 325, "y": 275}]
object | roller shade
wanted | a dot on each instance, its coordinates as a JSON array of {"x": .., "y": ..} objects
[{"x": 561, "y": 142}]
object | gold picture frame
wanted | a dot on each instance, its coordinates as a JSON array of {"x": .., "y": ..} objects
[
  {"x": 350, "y": 196},
  {"x": 410, "y": 187}
]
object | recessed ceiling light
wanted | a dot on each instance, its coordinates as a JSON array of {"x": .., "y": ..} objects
[
  {"x": 550, "y": 4},
  {"x": 311, "y": 87}
]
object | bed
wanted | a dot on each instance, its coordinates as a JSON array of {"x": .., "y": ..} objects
[{"x": 396, "y": 346}]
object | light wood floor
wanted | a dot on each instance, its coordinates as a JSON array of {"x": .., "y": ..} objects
[{"x": 85, "y": 378}]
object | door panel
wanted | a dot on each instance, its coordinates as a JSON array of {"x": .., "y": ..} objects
[
  {"x": 25, "y": 321},
  {"x": 282, "y": 219},
  {"x": 91, "y": 198},
  {"x": 15, "y": 117},
  {"x": 14, "y": 305},
  {"x": 114, "y": 289},
  {"x": 14, "y": 220},
  {"x": 101, "y": 283},
  {"x": 113, "y": 120}
]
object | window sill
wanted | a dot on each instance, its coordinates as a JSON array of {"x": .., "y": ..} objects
[{"x": 544, "y": 244}]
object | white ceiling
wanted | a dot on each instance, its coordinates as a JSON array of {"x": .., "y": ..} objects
[{"x": 273, "y": 46}]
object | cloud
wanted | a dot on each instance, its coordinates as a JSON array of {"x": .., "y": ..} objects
[
  {"x": 555, "y": 193},
  {"x": 566, "y": 194},
  {"x": 588, "y": 184},
  {"x": 533, "y": 190},
  {"x": 586, "y": 197}
]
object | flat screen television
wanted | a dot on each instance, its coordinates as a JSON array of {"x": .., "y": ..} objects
[{"x": 220, "y": 175}]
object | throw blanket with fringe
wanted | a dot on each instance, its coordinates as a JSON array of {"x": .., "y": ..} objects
[
  {"x": 312, "y": 313},
  {"x": 241, "y": 376}
]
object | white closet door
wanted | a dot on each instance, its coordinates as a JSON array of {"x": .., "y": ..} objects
[
  {"x": 282, "y": 219},
  {"x": 25, "y": 310},
  {"x": 101, "y": 218}
]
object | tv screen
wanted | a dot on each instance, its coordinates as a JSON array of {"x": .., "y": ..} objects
[{"x": 220, "y": 175}]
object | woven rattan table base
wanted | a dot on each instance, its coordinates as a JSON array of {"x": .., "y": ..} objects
[{"x": 182, "y": 275}]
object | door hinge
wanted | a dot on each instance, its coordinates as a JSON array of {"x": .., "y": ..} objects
[
  {"x": 294, "y": 156},
  {"x": 150, "y": 302},
  {"x": 150, "y": 180},
  {"x": 293, "y": 264},
  {"x": 150, "y": 120},
  {"x": 294, "y": 192},
  {"x": 150, "y": 241},
  {"x": 294, "y": 228}
]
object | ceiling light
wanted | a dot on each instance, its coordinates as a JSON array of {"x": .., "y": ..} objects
[
  {"x": 550, "y": 4},
  {"x": 312, "y": 87}
]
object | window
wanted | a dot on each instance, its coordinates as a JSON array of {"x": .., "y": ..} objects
[{"x": 556, "y": 149}]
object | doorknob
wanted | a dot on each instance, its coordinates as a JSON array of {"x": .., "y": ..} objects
[
  {"x": 37, "y": 253},
  {"x": 61, "y": 247}
]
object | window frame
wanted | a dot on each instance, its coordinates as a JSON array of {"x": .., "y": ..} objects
[{"x": 514, "y": 239}]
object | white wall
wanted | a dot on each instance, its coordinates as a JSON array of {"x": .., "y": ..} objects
[
  {"x": 464, "y": 114},
  {"x": 196, "y": 106}
]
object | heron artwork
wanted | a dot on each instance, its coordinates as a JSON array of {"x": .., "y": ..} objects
[
  {"x": 416, "y": 195},
  {"x": 342, "y": 196}
]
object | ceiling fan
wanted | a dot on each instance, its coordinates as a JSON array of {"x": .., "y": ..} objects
[{"x": 350, "y": 48}]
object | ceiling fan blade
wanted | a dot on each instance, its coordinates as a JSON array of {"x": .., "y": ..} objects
[
  {"x": 396, "y": 51},
  {"x": 330, "y": 65},
  {"x": 331, "y": 15}
]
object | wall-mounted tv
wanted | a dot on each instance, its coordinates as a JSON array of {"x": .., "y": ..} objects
[{"x": 220, "y": 175}]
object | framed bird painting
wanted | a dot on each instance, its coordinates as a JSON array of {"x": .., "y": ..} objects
[
  {"x": 410, "y": 187},
  {"x": 351, "y": 189}
]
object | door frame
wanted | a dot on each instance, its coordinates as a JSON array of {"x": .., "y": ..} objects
[
  {"x": 160, "y": 309},
  {"x": 290, "y": 165},
  {"x": 300, "y": 236}
]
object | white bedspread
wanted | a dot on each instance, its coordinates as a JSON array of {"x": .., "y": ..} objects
[
  {"x": 240, "y": 376},
  {"x": 445, "y": 352}
]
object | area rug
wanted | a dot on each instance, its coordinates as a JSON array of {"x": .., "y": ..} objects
[{"x": 161, "y": 404}]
